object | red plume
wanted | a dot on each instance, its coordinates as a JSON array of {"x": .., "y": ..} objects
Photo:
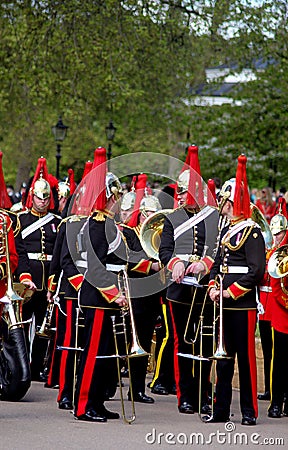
[
  {"x": 140, "y": 191},
  {"x": 195, "y": 189},
  {"x": 91, "y": 192},
  {"x": 87, "y": 168},
  {"x": 211, "y": 193},
  {"x": 241, "y": 197},
  {"x": 5, "y": 201},
  {"x": 71, "y": 181}
]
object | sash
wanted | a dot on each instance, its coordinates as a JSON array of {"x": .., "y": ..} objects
[
  {"x": 194, "y": 220},
  {"x": 114, "y": 244},
  {"x": 238, "y": 227},
  {"x": 36, "y": 225}
]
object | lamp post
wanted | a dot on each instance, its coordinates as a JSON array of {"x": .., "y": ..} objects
[
  {"x": 59, "y": 132},
  {"x": 110, "y": 133}
]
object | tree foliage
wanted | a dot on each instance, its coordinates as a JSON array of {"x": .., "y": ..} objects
[{"x": 133, "y": 62}]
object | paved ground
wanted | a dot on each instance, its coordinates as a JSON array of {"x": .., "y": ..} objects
[{"x": 37, "y": 423}]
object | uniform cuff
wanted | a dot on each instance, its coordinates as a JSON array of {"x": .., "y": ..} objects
[
  {"x": 110, "y": 293},
  {"x": 208, "y": 262},
  {"x": 236, "y": 291},
  {"x": 212, "y": 284},
  {"x": 51, "y": 283},
  {"x": 143, "y": 266},
  {"x": 172, "y": 262},
  {"x": 76, "y": 281},
  {"x": 25, "y": 277}
]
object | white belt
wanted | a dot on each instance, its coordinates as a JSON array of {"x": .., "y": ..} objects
[
  {"x": 234, "y": 269},
  {"x": 265, "y": 289},
  {"x": 81, "y": 263},
  {"x": 188, "y": 257},
  {"x": 115, "y": 267},
  {"x": 40, "y": 256}
]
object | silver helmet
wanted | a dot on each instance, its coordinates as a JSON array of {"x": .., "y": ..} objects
[
  {"x": 63, "y": 189},
  {"x": 113, "y": 185},
  {"x": 278, "y": 223},
  {"x": 128, "y": 201},
  {"x": 150, "y": 203}
]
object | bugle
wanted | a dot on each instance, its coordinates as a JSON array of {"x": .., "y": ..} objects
[{"x": 46, "y": 330}]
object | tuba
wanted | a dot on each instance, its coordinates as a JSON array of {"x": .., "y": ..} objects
[
  {"x": 150, "y": 232},
  {"x": 278, "y": 262},
  {"x": 258, "y": 217},
  {"x": 15, "y": 376}
]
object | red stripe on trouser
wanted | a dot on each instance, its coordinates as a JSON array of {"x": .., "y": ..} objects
[
  {"x": 50, "y": 374},
  {"x": 252, "y": 358},
  {"x": 66, "y": 343},
  {"x": 176, "y": 362},
  {"x": 90, "y": 361}
]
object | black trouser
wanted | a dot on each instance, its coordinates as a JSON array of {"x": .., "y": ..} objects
[
  {"x": 239, "y": 338},
  {"x": 37, "y": 305},
  {"x": 145, "y": 320},
  {"x": 266, "y": 343},
  {"x": 187, "y": 370},
  {"x": 95, "y": 375},
  {"x": 279, "y": 368},
  {"x": 164, "y": 370}
]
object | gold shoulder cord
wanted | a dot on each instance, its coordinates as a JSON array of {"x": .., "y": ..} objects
[{"x": 242, "y": 241}]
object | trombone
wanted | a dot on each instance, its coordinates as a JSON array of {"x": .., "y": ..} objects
[{"x": 135, "y": 347}]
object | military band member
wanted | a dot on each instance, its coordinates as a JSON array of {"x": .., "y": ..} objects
[
  {"x": 187, "y": 246},
  {"x": 146, "y": 308},
  {"x": 39, "y": 231},
  {"x": 279, "y": 318},
  {"x": 100, "y": 296},
  {"x": 240, "y": 260}
]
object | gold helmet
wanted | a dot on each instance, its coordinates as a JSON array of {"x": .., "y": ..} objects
[
  {"x": 278, "y": 223},
  {"x": 41, "y": 188},
  {"x": 63, "y": 189}
]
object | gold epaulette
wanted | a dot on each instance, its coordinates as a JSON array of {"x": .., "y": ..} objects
[{"x": 100, "y": 216}]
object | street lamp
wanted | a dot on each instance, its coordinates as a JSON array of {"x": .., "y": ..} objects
[
  {"x": 110, "y": 133},
  {"x": 59, "y": 132}
]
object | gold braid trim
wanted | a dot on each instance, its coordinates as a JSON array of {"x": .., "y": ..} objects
[{"x": 244, "y": 237}]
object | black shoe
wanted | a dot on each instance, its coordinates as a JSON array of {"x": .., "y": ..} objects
[
  {"x": 264, "y": 396},
  {"x": 248, "y": 420},
  {"x": 159, "y": 389},
  {"x": 92, "y": 416},
  {"x": 206, "y": 409},
  {"x": 172, "y": 390},
  {"x": 140, "y": 397},
  {"x": 65, "y": 403},
  {"x": 275, "y": 412},
  {"x": 216, "y": 418},
  {"x": 108, "y": 414},
  {"x": 186, "y": 408}
]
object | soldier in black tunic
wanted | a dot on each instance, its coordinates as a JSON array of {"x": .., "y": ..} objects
[
  {"x": 240, "y": 261},
  {"x": 187, "y": 248},
  {"x": 39, "y": 231}
]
